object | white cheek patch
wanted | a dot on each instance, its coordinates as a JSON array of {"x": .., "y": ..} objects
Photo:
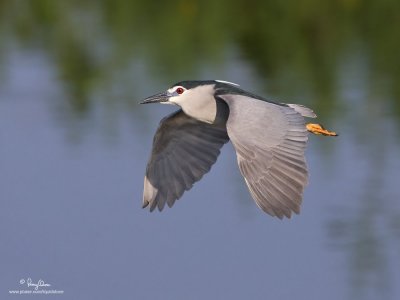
[
  {"x": 178, "y": 99},
  {"x": 172, "y": 101}
]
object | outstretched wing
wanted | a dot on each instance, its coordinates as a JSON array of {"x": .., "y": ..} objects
[
  {"x": 270, "y": 140},
  {"x": 184, "y": 149}
]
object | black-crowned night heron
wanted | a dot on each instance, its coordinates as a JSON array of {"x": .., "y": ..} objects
[{"x": 269, "y": 139}]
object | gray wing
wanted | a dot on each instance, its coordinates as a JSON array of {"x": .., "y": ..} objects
[
  {"x": 270, "y": 140},
  {"x": 184, "y": 149}
]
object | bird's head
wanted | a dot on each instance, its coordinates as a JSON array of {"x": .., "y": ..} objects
[
  {"x": 195, "y": 97},
  {"x": 180, "y": 92},
  {"x": 184, "y": 90}
]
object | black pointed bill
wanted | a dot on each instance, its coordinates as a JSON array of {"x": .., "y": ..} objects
[{"x": 160, "y": 97}]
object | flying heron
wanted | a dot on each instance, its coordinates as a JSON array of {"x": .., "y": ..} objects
[{"x": 269, "y": 138}]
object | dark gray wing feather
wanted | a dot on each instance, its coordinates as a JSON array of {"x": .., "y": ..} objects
[
  {"x": 270, "y": 140},
  {"x": 184, "y": 149}
]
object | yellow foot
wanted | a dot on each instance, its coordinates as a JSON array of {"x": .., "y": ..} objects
[{"x": 319, "y": 129}]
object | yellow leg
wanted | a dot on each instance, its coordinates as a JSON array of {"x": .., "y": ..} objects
[{"x": 319, "y": 129}]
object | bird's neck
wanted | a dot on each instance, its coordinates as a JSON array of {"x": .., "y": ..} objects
[{"x": 199, "y": 103}]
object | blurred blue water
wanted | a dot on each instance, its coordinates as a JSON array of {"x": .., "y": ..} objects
[{"x": 70, "y": 209}]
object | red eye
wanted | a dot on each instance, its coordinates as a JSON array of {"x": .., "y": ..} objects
[{"x": 179, "y": 90}]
